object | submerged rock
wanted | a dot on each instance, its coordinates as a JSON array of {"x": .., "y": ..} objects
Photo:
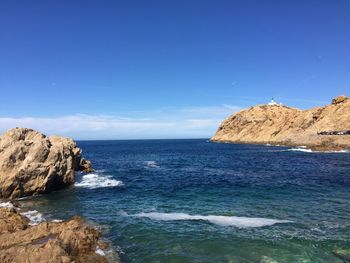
[
  {"x": 265, "y": 259},
  {"x": 68, "y": 241},
  {"x": 343, "y": 254},
  {"x": 32, "y": 163},
  {"x": 281, "y": 125}
]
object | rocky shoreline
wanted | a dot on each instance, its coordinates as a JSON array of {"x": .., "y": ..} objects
[
  {"x": 321, "y": 129},
  {"x": 66, "y": 241},
  {"x": 32, "y": 164}
]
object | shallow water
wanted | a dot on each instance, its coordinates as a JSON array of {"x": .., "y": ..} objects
[{"x": 195, "y": 201}]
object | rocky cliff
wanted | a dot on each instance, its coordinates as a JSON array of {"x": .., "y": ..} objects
[
  {"x": 32, "y": 163},
  {"x": 323, "y": 128}
]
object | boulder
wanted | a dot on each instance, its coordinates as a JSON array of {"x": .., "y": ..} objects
[
  {"x": 32, "y": 163},
  {"x": 68, "y": 241}
]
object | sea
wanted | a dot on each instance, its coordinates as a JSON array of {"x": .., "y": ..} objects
[{"x": 197, "y": 201}]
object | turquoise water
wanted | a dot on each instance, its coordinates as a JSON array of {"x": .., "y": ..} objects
[{"x": 196, "y": 201}]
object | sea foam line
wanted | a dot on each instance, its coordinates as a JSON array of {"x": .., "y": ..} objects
[
  {"x": 94, "y": 180},
  {"x": 240, "y": 222},
  {"x": 303, "y": 149}
]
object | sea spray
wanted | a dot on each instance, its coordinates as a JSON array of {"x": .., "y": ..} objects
[{"x": 94, "y": 180}]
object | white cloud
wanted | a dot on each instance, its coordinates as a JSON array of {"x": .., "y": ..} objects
[{"x": 191, "y": 122}]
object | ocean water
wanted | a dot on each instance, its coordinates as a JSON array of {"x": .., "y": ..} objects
[{"x": 196, "y": 201}]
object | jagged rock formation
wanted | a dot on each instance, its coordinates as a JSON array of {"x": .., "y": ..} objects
[
  {"x": 31, "y": 163},
  {"x": 69, "y": 241},
  {"x": 281, "y": 125}
]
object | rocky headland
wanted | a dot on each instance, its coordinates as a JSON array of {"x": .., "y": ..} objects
[
  {"x": 32, "y": 164},
  {"x": 320, "y": 129}
]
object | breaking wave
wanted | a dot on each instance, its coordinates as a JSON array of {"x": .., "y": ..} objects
[
  {"x": 34, "y": 217},
  {"x": 97, "y": 181},
  {"x": 6, "y": 205},
  {"x": 240, "y": 222}
]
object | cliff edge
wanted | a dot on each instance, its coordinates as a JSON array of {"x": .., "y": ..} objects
[{"x": 322, "y": 129}]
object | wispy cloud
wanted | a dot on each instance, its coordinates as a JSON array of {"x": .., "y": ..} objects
[{"x": 190, "y": 122}]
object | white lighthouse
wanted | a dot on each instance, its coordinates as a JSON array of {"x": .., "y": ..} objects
[{"x": 274, "y": 103}]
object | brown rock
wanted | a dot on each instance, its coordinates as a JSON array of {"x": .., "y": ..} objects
[
  {"x": 31, "y": 163},
  {"x": 11, "y": 221},
  {"x": 69, "y": 241},
  {"x": 281, "y": 125}
]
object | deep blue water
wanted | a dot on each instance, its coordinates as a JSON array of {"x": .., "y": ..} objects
[{"x": 196, "y": 177}]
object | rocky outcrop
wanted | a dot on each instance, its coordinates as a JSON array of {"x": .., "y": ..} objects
[
  {"x": 32, "y": 163},
  {"x": 281, "y": 125},
  {"x": 63, "y": 242}
]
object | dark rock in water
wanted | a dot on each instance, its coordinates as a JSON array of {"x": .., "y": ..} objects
[
  {"x": 85, "y": 166},
  {"x": 32, "y": 163}
]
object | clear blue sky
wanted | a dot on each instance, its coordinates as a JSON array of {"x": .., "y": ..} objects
[{"x": 165, "y": 69}]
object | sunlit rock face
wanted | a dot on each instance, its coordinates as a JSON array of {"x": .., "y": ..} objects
[
  {"x": 322, "y": 128},
  {"x": 32, "y": 163}
]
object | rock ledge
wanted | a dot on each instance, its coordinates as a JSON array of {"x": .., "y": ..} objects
[{"x": 63, "y": 242}]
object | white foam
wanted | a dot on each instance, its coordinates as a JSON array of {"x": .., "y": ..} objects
[
  {"x": 34, "y": 216},
  {"x": 151, "y": 164},
  {"x": 57, "y": 220},
  {"x": 240, "y": 222},
  {"x": 97, "y": 181},
  {"x": 99, "y": 251},
  {"x": 304, "y": 149},
  {"x": 300, "y": 150},
  {"x": 6, "y": 205}
]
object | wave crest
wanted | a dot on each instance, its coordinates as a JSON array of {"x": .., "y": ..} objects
[
  {"x": 240, "y": 222},
  {"x": 151, "y": 164}
]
